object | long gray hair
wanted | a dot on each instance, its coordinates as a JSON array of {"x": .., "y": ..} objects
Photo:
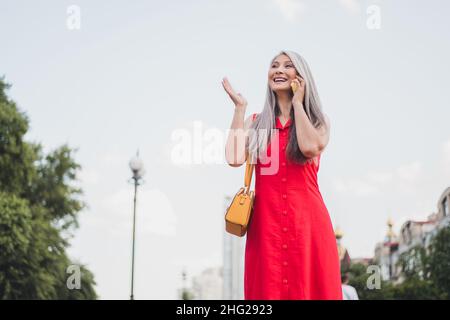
[{"x": 264, "y": 125}]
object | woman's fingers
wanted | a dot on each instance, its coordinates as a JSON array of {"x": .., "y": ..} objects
[
  {"x": 301, "y": 81},
  {"x": 236, "y": 97},
  {"x": 228, "y": 87},
  {"x": 225, "y": 84},
  {"x": 297, "y": 83}
]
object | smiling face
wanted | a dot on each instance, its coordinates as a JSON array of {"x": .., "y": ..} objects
[{"x": 281, "y": 73}]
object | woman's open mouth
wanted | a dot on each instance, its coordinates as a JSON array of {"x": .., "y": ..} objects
[{"x": 279, "y": 79}]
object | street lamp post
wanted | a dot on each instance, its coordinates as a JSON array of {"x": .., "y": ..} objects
[{"x": 137, "y": 167}]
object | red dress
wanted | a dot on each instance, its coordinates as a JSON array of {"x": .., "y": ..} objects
[{"x": 291, "y": 250}]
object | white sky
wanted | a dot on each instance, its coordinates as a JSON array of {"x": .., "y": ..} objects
[{"x": 138, "y": 71}]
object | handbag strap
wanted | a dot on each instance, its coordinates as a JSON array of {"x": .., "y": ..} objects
[{"x": 248, "y": 174}]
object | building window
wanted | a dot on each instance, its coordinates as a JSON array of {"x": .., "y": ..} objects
[{"x": 445, "y": 208}]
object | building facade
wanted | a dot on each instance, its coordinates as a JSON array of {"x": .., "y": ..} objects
[
  {"x": 412, "y": 233},
  {"x": 233, "y": 264}
]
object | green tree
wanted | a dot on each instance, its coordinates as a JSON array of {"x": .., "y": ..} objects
[
  {"x": 39, "y": 204},
  {"x": 415, "y": 284},
  {"x": 438, "y": 266},
  {"x": 358, "y": 277},
  {"x": 424, "y": 273}
]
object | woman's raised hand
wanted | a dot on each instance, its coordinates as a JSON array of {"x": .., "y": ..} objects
[
  {"x": 299, "y": 93},
  {"x": 238, "y": 100}
]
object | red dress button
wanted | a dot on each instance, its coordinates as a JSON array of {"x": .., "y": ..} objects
[
  {"x": 284, "y": 246},
  {"x": 284, "y": 229},
  {"x": 283, "y": 179},
  {"x": 285, "y": 263},
  {"x": 284, "y": 212},
  {"x": 284, "y": 196},
  {"x": 285, "y": 281},
  {"x": 283, "y": 164}
]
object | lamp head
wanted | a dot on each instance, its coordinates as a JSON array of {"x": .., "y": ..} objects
[{"x": 137, "y": 167}]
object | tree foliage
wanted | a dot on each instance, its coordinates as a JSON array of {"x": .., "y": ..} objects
[
  {"x": 39, "y": 204},
  {"x": 425, "y": 273}
]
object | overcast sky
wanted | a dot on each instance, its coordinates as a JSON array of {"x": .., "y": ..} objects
[{"x": 138, "y": 73}]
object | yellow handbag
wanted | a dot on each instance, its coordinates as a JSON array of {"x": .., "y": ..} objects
[{"x": 239, "y": 212}]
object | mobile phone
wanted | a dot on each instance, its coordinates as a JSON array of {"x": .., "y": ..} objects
[{"x": 294, "y": 86}]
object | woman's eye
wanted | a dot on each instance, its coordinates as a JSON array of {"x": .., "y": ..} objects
[{"x": 289, "y": 66}]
